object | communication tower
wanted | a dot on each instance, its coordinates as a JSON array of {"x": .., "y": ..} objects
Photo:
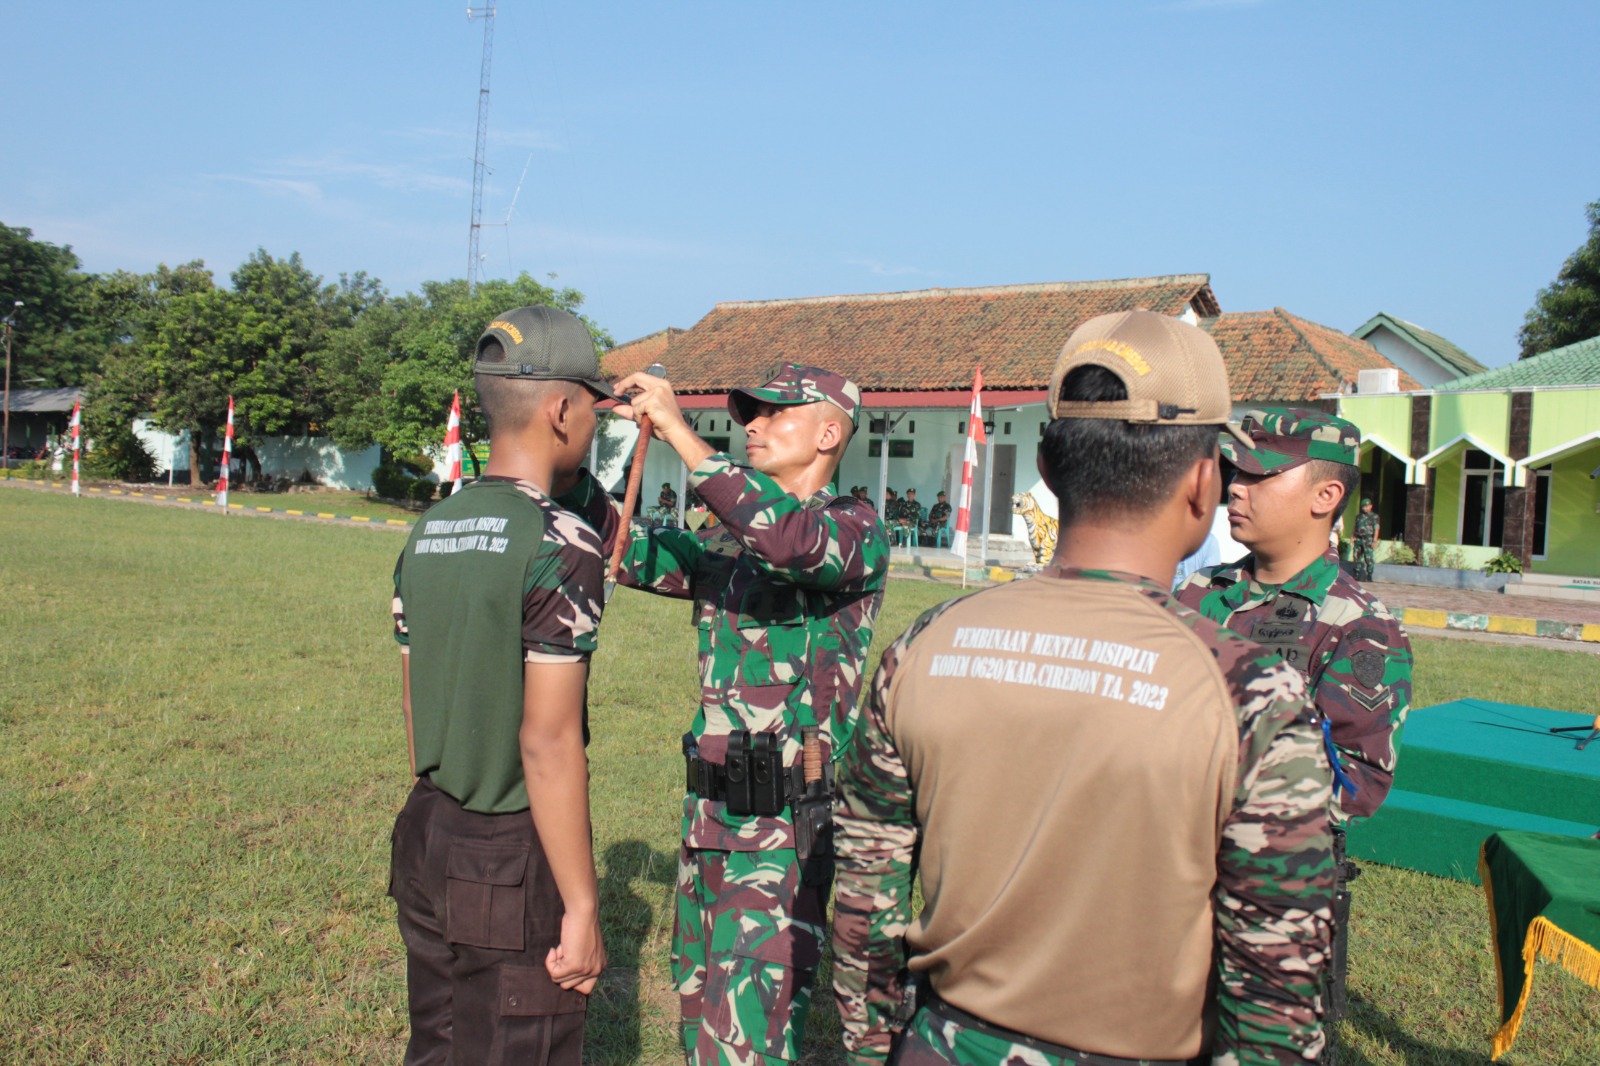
[{"x": 479, "y": 165}]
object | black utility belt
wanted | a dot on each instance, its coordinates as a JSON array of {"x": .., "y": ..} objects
[{"x": 753, "y": 780}]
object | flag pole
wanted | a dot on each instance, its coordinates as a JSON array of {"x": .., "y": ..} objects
[
  {"x": 227, "y": 461},
  {"x": 452, "y": 445},
  {"x": 76, "y": 426}
]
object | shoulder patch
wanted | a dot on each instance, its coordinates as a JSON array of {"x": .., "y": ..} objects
[{"x": 1367, "y": 665}]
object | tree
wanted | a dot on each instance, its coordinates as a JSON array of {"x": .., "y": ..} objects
[
  {"x": 397, "y": 366},
  {"x": 49, "y": 349},
  {"x": 1568, "y": 309}
]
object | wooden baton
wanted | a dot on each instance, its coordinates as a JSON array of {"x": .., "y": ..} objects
[{"x": 630, "y": 496}]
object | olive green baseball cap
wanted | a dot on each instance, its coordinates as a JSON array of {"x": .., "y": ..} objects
[
  {"x": 795, "y": 384},
  {"x": 543, "y": 344},
  {"x": 1287, "y": 437}
]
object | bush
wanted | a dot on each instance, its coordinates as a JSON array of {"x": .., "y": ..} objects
[
  {"x": 415, "y": 465},
  {"x": 1447, "y": 558},
  {"x": 391, "y": 482},
  {"x": 1400, "y": 554},
  {"x": 421, "y": 490},
  {"x": 122, "y": 457},
  {"x": 1504, "y": 563}
]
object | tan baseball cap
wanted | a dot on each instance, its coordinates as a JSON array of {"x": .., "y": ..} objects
[{"x": 1173, "y": 372}]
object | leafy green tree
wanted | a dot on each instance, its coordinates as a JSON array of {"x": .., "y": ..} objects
[
  {"x": 47, "y": 350},
  {"x": 1568, "y": 309},
  {"x": 398, "y": 367}
]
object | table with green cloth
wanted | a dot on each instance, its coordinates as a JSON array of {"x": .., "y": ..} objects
[{"x": 1544, "y": 902}]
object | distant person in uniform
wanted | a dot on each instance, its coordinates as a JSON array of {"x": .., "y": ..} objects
[
  {"x": 1366, "y": 545},
  {"x": 497, "y": 601},
  {"x": 938, "y": 517},
  {"x": 1118, "y": 808},
  {"x": 1290, "y": 596}
]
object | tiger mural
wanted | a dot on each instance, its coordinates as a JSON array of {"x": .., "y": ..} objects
[{"x": 1042, "y": 528}]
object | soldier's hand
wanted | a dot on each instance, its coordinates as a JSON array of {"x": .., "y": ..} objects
[
  {"x": 577, "y": 962},
  {"x": 650, "y": 396}
]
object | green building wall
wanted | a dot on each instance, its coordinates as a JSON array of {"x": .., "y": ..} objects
[
  {"x": 1572, "y": 537},
  {"x": 1485, "y": 415}
]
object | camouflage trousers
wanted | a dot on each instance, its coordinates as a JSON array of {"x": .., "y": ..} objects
[
  {"x": 1362, "y": 557},
  {"x": 745, "y": 949},
  {"x": 935, "y": 1038}
]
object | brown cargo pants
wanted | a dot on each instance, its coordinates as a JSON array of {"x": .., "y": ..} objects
[{"x": 478, "y": 910}]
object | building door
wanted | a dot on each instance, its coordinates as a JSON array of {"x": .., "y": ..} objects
[
  {"x": 1005, "y": 481},
  {"x": 1483, "y": 500}
]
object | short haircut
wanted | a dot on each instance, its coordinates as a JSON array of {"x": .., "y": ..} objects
[
  {"x": 1318, "y": 470},
  {"x": 1110, "y": 467},
  {"x": 509, "y": 403}
]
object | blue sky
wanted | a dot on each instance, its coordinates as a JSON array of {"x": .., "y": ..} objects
[{"x": 1430, "y": 160}]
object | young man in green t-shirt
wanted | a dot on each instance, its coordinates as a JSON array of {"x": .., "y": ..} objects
[{"x": 498, "y": 596}]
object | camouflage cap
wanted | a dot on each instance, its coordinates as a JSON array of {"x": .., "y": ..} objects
[
  {"x": 1173, "y": 372},
  {"x": 1286, "y": 437},
  {"x": 795, "y": 384},
  {"x": 543, "y": 344}
]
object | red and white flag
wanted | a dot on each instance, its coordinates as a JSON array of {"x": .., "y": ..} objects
[
  {"x": 75, "y": 427},
  {"x": 975, "y": 437},
  {"x": 227, "y": 460},
  {"x": 452, "y": 445}
]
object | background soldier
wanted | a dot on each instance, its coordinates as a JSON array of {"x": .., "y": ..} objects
[
  {"x": 938, "y": 517},
  {"x": 497, "y": 602},
  {"x": 1289, "y": 595},
  {"x": 1366, "y": 546},
  {"x": 1115, "y": 802},
  {"x": 786, "y": 592}
]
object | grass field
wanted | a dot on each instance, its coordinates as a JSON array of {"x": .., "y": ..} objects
[{"x": 202, "y": 756}]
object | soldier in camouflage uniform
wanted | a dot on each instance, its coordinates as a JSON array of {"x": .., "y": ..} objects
[
  {"x": 1290, "y": 595},
  {"x": 497, "y": 600},
  {"x": 938, "y": 517},
  {"x": 1118, "y": 808},
  {"x": 1366, "y": 543},
  {"x": 785, "y": 594}
]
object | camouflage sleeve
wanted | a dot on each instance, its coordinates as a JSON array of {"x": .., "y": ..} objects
[
  {"x": 589, "y": 500},
  {"x": 875, "y": 838},
  {"x": 661, "y": 561},
  {"x": 564, "y": 595},
  {"x": 1364, "y": 691},
  {"x": 402, "y": 635},
  {"x": 1273, "y": 900},
  {"x": 834, "y": 548}
]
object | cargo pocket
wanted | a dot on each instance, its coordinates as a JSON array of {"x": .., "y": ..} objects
[
  {"x": 485, "y": 898},
  {"x": 528, "y": 992}
]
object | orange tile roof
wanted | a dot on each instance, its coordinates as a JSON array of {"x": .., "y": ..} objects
[
  {"x": 1273, "y": 355},
  {"x": 925, "y": 340},
  {"x": 930, "y": 340}
]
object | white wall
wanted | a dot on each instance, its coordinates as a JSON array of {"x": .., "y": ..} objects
[
  {"x": 288, "y": 457},
  {"x": 1409, "y": 358}
]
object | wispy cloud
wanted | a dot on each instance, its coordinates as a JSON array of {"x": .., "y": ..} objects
[
  {"x": 1211, "y": 5},
  {"x": 536, "y": 140},
  {"x": 308, "y": 191},
  {"x": 403, "y": 177},
  {"x": 874, "y": 266}
]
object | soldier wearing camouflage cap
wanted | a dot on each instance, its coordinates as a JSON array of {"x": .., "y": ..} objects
[
  {"x": 497, "y": 601},
  {"x": 1118, "y": 808},
  {"x": 786, "y": 590},
  {"x": 1290, "y": 595}
]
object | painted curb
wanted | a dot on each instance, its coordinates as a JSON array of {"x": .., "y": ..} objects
[
  {"x": 1466, "y": 622},
  {"x": 211, "y": 502}
]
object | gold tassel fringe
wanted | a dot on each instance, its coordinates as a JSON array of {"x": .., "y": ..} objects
[{"x": 1548, "y": 941}]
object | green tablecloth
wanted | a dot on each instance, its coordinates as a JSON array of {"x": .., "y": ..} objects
[{"x": 1544, "y": 902}]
